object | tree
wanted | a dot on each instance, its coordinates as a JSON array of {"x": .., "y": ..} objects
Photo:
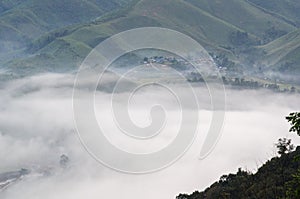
[
  {"x": 293, "y": 186},
  {"x": 239, "y": 38},
  {"x": 64, "y": 160},
  {"x": 294, "y": 119},
  {"x": 284, "y": 146},
  {"x": 293, "y": 89}
]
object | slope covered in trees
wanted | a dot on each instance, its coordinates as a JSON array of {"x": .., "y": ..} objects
[{"x": 277, "y": 178}]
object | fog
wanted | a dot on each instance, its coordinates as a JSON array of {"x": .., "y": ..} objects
[{"x": 37, "y": 127}]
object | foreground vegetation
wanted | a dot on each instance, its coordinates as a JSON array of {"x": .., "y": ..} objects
[{"x": 277, "y": 178}]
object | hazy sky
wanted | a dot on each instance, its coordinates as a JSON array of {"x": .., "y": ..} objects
[{"x": 36, "y": 127}]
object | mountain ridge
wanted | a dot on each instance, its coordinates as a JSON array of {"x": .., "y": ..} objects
[{"x": 228, "y": 28}]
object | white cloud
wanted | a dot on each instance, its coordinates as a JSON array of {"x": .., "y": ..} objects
[{"x": 36, "y": 125}]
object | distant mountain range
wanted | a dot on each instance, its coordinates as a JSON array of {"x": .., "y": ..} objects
[
  {"x": 257, "y": 36},
  {"x": 24, "y": 21}
]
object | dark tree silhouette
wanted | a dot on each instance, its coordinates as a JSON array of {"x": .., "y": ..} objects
[
  {"x": 277, "y": 178},
  {"x": 294, "y": 119},
  {"x": 284, "y": 146}
]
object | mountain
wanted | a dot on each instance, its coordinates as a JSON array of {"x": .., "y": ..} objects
[
  {"x": 283, "y": 53},
  {"x": 287, "y": 10},
  {"x": 277, "y": 178},
  {"x": 23, "y": 21},
  {"x": 237, "y": 30}
]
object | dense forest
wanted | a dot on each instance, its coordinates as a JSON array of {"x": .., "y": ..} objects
[{"x": 277, "y": 178}]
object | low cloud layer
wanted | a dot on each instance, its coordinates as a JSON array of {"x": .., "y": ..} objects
[{"x": 37, "y": 127}]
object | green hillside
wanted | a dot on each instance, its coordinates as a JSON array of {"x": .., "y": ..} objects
[
  {"x": 211, "y": 22},
  {"x": 243, "y": 15},
  {"x": 283, "y": 54},
  {"x": 21, "y": 22},
  {"x": 289, "y": 10},
  {"x": 247, "y": 33}
]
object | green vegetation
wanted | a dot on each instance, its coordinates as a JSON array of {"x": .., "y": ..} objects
[
  {"x": 286, "y": 10},
  {"x": 250, "y": 83},
  {"x": 284, "y": 146},
  {"x": 211, "y": 22},
  {"x": 283, "y": 54},
  {"x": 277, "y": 178},
  {"x": 22, "y": 22},
  {"x": 294, "y": 119},
  {"x": 248, "y": 37}
]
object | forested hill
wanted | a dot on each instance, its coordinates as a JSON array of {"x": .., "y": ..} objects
[
  {"x": 24, "y": 21},
  {"x": 249, "y": 37},
  {"x": 277, "y": 178}
]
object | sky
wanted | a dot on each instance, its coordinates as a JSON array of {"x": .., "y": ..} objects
[{"x": 37, "y": 126}]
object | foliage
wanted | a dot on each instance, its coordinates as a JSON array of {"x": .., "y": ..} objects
[
  {"x": 272, "y": 34},
  {"x": 294, "y": 119},
  {"x": 239, "y": 38},
  {"x": 277, "y": 178},
  {"x": 293, "y": 186},
  {"x": 284, "y": 146}
]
